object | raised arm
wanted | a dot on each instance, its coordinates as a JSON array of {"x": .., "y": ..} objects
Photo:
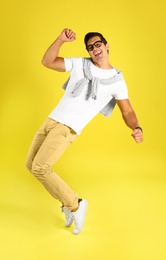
[
  {"x": 130, "y": 119},
  {"x": 51, "y": 59}
]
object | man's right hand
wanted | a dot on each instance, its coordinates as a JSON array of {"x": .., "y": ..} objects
[{"x": 67, "y": 35}]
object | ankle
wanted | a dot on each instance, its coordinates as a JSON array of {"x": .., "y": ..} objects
[{"x": 74, "y": 210}]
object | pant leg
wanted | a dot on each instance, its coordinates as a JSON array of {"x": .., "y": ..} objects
[
  {"x": 36, "y": 144},
  {"x": 50, "y": 142}
]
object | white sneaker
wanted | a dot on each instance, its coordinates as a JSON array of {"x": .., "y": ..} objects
[
  {"x": 69, "y": 219},
  {"x": 79, "y": 216}
]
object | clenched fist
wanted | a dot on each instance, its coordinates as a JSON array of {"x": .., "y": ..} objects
[{"x": 67, "y": 35}]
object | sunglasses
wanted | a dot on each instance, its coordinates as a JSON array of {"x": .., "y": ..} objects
[{"x": 97, "y": 44}]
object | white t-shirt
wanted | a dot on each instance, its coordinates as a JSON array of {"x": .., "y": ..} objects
[{"x": 76, "y": 112}]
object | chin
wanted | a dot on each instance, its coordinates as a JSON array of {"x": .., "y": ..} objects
[{"x": 98, "y": 59}]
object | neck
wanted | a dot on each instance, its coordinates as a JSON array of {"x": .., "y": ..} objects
[{"x": 102, "y": 65}]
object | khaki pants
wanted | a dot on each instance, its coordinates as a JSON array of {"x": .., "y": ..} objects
[{"x": 49, "y": 143}]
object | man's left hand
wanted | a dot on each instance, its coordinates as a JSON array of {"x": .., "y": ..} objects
[{"x": 137, "y": 135}]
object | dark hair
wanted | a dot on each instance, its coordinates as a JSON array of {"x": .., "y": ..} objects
[{"x": 93, "y": 34}]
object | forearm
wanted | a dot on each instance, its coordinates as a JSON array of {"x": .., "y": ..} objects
[{"x": 130, "y": 119}]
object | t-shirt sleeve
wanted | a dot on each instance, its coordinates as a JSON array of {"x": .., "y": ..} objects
[
  {"x": 68, "y": 64},
  {"x": 73, "y": 63},
  {"x": 121, "y": 91}
]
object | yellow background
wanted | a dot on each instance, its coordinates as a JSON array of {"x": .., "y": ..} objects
[{"x": 123, "y": 182}]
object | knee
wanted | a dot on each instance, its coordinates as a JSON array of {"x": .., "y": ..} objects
[{"x": 37, "y": 170}]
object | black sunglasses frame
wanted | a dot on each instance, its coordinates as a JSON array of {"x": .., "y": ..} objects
[{"x": 92, "y": 45}]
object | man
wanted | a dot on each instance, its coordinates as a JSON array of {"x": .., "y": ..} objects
[{"x": 94, "y": 86}]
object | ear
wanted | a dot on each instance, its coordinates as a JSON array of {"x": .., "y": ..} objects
[{"x": 107, "y": 45}]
